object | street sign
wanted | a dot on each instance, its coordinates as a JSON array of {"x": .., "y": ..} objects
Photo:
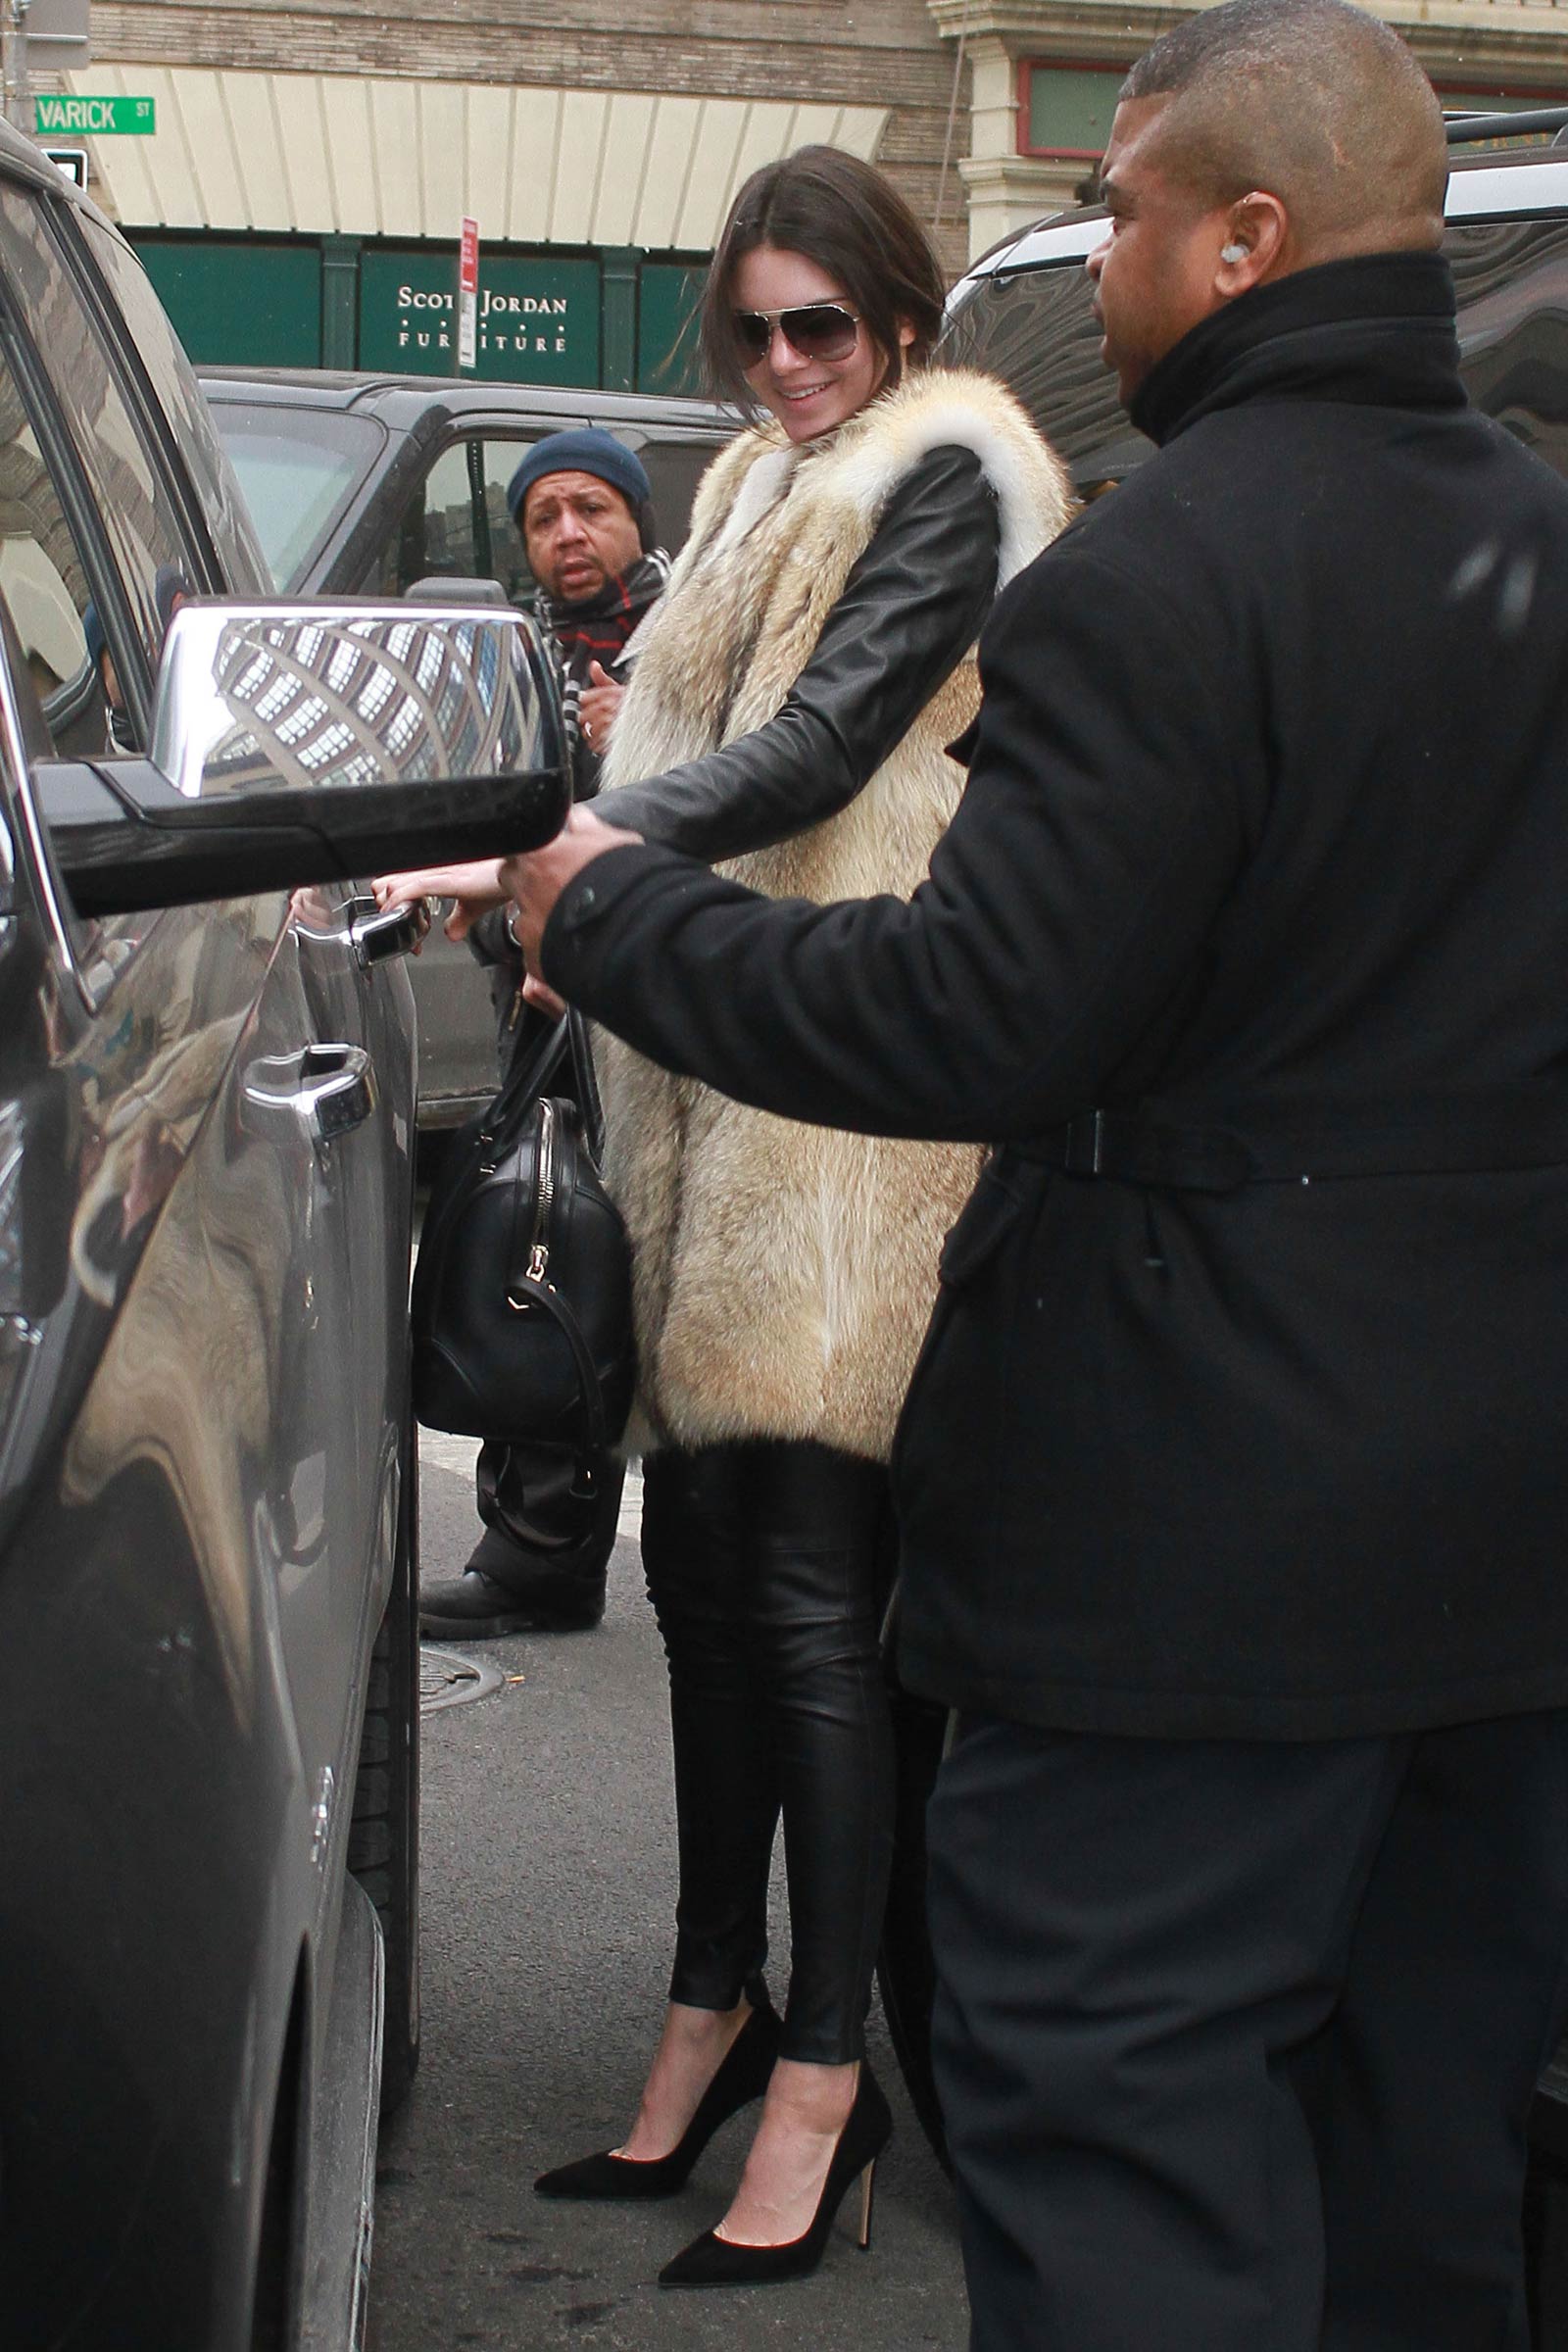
[
  {"x": 58, "y": 32},
  {"x": 72, "y": 161},
  {"x": 469, "y": 295},
  {"x": 58, "y": 116}
]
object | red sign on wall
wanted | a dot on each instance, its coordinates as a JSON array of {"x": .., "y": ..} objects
[{"x": 469, "y": 295}]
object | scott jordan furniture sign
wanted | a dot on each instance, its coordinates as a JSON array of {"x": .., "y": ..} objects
[{"x": 537, "y": 321}]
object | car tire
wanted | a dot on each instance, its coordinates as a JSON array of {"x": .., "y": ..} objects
[
  {"x": 906, "y": 1972},
  {"x": 384, "y": 1839}
]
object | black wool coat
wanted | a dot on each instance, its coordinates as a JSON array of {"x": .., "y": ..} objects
[{"x": 1244, "y": 1411}]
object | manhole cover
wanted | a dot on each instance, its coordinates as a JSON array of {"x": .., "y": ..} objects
[{"x": 446, "y": 1679}]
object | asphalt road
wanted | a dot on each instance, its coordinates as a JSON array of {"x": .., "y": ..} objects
[{"x": 548, "y": 1886}]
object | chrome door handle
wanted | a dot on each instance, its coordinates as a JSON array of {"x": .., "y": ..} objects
[
  {"x": 380, "y": 932},
  {"x": 324, "y": 1089}
]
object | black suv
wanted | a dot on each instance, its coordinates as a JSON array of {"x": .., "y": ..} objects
[
  {"x": 1022, "y": 311},
  {"x": 363, "y": 485},
  {"x": 209, "y": 1689}
]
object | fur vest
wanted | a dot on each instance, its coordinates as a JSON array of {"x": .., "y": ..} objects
[{"x": 783, "y": 1275}]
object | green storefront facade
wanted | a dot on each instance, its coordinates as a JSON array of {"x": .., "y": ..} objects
[{"x": 614, "y": 318}]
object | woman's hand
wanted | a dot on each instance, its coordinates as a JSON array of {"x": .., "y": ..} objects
[
  {"x": 601, "y": 700},
  {"x": 476, "y": 885},
  {"x": 536, "y": 880}
]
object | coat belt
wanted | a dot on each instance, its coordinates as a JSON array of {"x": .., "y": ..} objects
[{"x": 1500, "y": 1128}]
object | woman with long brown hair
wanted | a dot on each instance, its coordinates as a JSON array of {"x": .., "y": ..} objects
[{"x": 790, "y": 714}]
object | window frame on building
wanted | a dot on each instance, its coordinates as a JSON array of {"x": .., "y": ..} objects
[{"x": 1028, "y": 66}]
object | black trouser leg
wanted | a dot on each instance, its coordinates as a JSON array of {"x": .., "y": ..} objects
[
  {"x": 537, "y": 1497},
  {"x": 1453, "y": 2002},
  {"x": 550, "y": 1521},
  {"x": 1174, "y": 1973},
  {"x": 763, "y": 1563}
]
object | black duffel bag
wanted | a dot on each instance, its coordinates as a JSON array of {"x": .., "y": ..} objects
[{"x": 521, "y": 1307}]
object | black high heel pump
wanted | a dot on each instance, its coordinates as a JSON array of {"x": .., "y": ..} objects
[
  {"x": 712, "y": 2261},
  {"x": 743, "y": 2077}
]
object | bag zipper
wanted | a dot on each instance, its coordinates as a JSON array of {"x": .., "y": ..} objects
[{"x": 539, "y": 1253}]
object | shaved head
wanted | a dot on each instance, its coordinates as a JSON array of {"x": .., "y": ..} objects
[
  {"x": 1259, "y": 139},
  {"x": 1312, "y": 100}
]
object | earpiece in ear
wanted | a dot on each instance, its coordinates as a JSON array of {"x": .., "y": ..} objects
[{"x": 1233, "y": 253}]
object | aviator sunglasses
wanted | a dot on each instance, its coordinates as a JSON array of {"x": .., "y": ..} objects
[{"x": 817, "y": 330}]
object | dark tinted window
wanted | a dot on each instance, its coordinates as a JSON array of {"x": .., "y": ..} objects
[
  {"x": 1036, "y": 330},
  {"x": 1512, "y": 280},
  {"x": 71, "y": 697},
  {"x": 674, "y": 468},
  {"x": 149, "y": 541},
  {"x": 45, "y": 584},
  {"x": 457, "y": 525},
  {"x": 176, "y": 393}
]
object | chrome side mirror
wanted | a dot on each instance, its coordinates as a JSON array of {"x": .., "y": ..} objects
[
  {"x": 326, "y": 695},
  {"x": 318, "y": 743}
]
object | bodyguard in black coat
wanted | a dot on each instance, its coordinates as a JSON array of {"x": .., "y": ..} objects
[
  {"x": 1234, "y": 1480},
  {"x": 1246, "y": 1390}
]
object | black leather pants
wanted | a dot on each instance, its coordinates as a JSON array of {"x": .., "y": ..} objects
[{"x": 765, "y": 1564}]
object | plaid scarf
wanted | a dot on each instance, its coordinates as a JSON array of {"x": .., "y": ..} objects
[{"x": 597, "y": 630}]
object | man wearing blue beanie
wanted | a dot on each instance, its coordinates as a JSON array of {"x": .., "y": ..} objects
[
  {"x": 588, "y": 449},
  {"x": 582, "y": 506}
]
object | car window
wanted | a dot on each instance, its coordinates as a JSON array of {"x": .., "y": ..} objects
[
  {"x": 298, "y": 469},
  {"x": 71, "y": 653},
  {"x": 147, "y": 536},
  {"x": 8, "y": 876},
  {"x": 1036, "y": 330},
  {"x": 177, "y": 396},
  {"x": 45, "y": 585},
  {"x": 674, "y": 468},
  {"x": 1512, "y": 283},
  {"x": 456, "y": 525}
]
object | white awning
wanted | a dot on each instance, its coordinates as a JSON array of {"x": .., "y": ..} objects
[{"x": 393, "y": 158}]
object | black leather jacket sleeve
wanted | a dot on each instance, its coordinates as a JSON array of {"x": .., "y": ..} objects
[
  {"x": 911, "y": 610},
  {"x": 1068, "y": 904}
]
